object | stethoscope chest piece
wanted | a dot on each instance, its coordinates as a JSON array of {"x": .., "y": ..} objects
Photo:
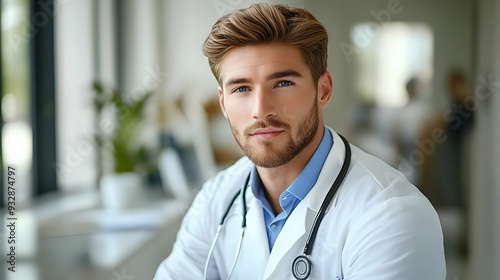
[{"x": 301, "y": 267}]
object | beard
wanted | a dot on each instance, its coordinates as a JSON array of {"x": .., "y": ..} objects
[{"x": 270, "y": 154}]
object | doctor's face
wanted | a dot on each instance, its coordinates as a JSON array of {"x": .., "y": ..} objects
[{"x": 271, "y": 102}]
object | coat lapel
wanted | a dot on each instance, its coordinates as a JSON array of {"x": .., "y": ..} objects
[
  {"x": 328, "y": 174},
  {"x": 291, "y": 241},
  {"x": 292, "y": 235},
  {"x": 255, "y": 248}
]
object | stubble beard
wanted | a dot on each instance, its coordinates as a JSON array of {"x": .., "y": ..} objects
[{"x": 271, "y": 155}]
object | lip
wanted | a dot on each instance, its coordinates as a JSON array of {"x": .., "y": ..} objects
[{"x": 266, "y": 133}]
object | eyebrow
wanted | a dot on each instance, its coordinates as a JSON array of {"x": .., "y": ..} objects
[
  {"x": 282, "y": 74},
  {"x": 235, "y": 81},
  {"x": 276, "y": 75}
]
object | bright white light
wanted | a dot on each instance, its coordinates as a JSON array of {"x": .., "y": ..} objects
[
  {"x": 11, "y": 16},
  {"x": 388, "y": 56},
  {"x": 17, "y": 144}
]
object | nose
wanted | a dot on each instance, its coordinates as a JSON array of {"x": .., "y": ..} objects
[{"x": 263, "y": 105}]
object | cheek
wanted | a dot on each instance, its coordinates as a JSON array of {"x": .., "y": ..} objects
[
  {"x": 295, "y": 109},
  {"x": 237, "y": 111}
]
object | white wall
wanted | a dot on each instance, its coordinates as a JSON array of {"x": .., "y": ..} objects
[
  {"x": 485, "y": 190},
  {"x": 185, "y": 25},
  {"x": 140, "y": 47},
  {"x": 76, "y": 69},
  {"x": 74, "y": 77}
]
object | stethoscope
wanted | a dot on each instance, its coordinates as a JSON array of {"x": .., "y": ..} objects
[{"x": 302, "y": 265}]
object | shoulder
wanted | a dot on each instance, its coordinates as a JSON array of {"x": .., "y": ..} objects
[
  {"x": 371, "y": 180},
  {"x": 214, "y": 197},
  {"x": 225, "y": 178},
  {"x": 375, "y": 195},
  {"x": 223, "y": 186},
  {"x": 384, "y": 212}
]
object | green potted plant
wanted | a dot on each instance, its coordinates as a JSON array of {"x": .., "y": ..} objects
[{"x": 123, "y": 187}]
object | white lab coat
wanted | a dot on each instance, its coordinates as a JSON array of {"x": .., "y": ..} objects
[{"x": 378, "y": 226}]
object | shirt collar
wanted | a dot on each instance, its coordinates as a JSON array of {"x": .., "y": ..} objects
[
  {"x": 306, "y": 179},
  {"x": 309, "y": 175}
]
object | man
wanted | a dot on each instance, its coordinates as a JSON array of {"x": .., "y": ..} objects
[{"x": 270, "y": 62}]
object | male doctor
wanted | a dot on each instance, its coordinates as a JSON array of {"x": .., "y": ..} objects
[{"x": 270, "y": 62}]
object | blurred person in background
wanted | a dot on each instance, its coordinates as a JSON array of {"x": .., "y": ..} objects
[
  {"x": 443, "y": 173},
  {"x": 407, "y": 126}
]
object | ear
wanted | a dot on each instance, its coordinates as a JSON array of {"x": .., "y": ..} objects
[
  {"x": 325, "y": 86},
  {"x": 221, "y": 102}
]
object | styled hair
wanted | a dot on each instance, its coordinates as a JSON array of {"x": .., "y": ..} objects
[{"x": 266, "y": 23}]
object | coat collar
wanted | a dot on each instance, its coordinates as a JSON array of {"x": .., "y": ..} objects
[{"x": 328, "y": 174}]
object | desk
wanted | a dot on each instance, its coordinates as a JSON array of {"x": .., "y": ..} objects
[{"x": 92, "y": 243}]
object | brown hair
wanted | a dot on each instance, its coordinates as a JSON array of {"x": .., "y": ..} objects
[{"x": 266, "y": 23}]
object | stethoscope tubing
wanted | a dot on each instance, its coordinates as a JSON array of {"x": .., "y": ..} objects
[
  {"x": 328, "y": 199},
  {"x": 219, "y": 228},
  {"x": 314, "y": 230}
]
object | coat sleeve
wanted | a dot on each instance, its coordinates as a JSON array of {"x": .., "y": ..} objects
[
  {"x": 400, "y": 238},
  {"x": 187, "y": 260}
]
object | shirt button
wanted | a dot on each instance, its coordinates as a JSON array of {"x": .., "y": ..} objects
[{"x": 273, "y": 226}]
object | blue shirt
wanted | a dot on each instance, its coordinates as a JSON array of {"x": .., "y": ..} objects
[{"x": 295, "y": 193}]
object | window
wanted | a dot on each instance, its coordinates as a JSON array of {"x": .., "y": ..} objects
[
  {"x": 389, "y": 56},
  {"x": 28, "y": 131},
  {"x": 17, "y": 139}
]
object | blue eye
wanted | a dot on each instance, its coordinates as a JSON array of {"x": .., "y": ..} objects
[
  {"x": 241, "y": 89},
  {"x": 284, "y": 83}
]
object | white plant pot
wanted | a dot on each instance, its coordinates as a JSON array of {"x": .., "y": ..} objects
[{"x": 121, "y": 190}]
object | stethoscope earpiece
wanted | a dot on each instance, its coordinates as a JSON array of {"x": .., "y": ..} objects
[{"x": 301, "y": 267}]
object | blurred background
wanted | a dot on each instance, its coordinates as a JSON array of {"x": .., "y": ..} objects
[{"x": 110, "y": 123}]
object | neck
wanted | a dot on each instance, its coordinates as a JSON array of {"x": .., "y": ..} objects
[{"x": 276, "y": 180}]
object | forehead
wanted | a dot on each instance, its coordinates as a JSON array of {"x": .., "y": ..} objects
[{"x": 261, "y": 59}]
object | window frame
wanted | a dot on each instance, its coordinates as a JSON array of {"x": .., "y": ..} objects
[{"x": 42, "y": 70}]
